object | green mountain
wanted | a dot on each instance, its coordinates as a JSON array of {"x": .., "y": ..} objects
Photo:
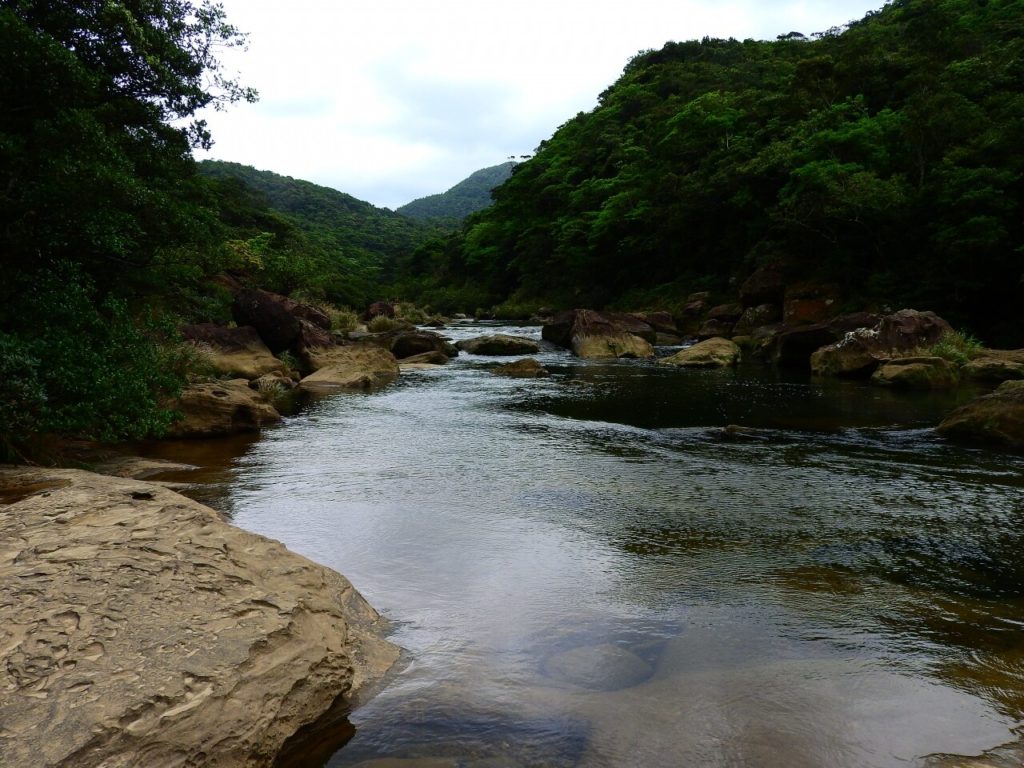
[
  {"x": 299, "y": 235},
  {"x": 470, "y": 195},
  {"x": 883, "y": 157}
]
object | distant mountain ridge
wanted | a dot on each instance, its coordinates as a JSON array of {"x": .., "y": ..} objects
[{"x": 470, "y": 195}]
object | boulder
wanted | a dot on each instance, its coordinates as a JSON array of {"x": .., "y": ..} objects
[
  {"x": 593, "y": 334},
  {"x": 916, "y": 373},
  {"x": 425, "y": 358},
  {"x": 355, "y": 367},
  {"x": 809, "y": 303},
  {"x": 379, "y": 309},
  {"x": 712, "y": 353},
  {"x": 138, "y": 628},
  {"x": 498, "y": 344},
  {"x": 995, "y": 418},
  {"x": 856, "y": 354},
  {"x": 212, "y": 409},
  {"x": 764, "y": 286},
  {"x": 996, "y": 365},
  {"x": 527, "y": 368},
  {"x": 756, "y": 317},
  {"x": 277, "y": 319},
  {"x": 404, "y": 343},
  {"x": 909, "y": 329},
  {"x": 715, "y": 328},
  {"x": 272, "y": 381},
  {"x": 233, "y": 351},
  {"x": 662, "y": 322}
]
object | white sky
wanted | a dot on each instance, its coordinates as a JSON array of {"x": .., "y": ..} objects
[{"x": 390, "y": 100}]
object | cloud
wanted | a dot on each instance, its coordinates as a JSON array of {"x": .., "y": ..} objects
[{"x": 389, "y": 100}]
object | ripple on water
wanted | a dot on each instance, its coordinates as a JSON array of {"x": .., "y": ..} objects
[{"x": 585, "y": 573}]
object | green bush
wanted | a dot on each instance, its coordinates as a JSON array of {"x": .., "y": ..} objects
[
  {"x": 382, "y": 324},
  {"x": 957, "y": 347},
  {"x": 76, "y": 365}
]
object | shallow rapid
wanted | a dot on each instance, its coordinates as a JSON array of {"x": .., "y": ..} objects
[{"x": 587, "y": 571}]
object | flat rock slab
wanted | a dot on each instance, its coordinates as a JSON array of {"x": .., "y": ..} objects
[
  {"x": 137, "y": 628},
  {"x": 356, "y": 367}
]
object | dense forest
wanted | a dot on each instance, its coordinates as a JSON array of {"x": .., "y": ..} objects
[
  {"x": 470, "y": 195},
  {"x": 884, "y": 158}
]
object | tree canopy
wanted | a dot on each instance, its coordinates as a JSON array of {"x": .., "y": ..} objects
[{"x": 883, "y": 157}]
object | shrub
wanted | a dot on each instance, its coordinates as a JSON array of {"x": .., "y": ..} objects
[
  {"x": 957, "y": 347},
  {"x": 382, "y": 324},
  {"x": 343, "y": 318}
]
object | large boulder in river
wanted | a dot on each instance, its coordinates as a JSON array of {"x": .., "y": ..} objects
[
  {"x": 592, "y": 334},
  {"x": 353, "y": 367},
  {"x": 996, "y": 365},
  {"x": 233, "y": 351},
  {"x": 213, "y": 409},
  {"x": 527, "y": 368},
  {"x": 765, "y": 286},
  {"x": 137, "y": 628},
  {"x": 499, "y": 344},
  {"x": 405, "y": 343},
  {"x": 916, "y": 373},
  {"x": 756, "y": 317},
  {"x": 859, "y": 352},
  {"x": 712, "y": 353},
  {"x": 996, "y": 418}
]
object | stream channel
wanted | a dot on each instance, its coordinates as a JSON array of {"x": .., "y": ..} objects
[{"x": 584, "y": 572}]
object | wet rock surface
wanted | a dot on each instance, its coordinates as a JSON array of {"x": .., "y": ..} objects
[
  {"x": 355, "y": 367},
  {"x": 137, "y": 628},
  {"x": 219, "y": 408},
  {"x": 712, "y": 353}
]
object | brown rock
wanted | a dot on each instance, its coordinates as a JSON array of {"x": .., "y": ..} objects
[
  {"x": 713, "y": 353},
  {"x": 661, "y": 322},
  {"x": 404, "y": 343},
  {"x": 909, "y": 329},
  {"x": 219, "y": 408},
  {"x": 757, "y": 317},
  {"x": 597, "y": 335},
  {"x": 355, "y": 367},
  {"x": 233, "y": 351},
  {"x": 916, "y": 373},
  {"x": 764, "y": 286},
  {"x": 996, "y": 418},
  {"x": 277, "y": 319},
  {"x": 527, "y": 368},
  {"x": 809, "y": 304},
  {"x": 425, "y": 358},
  {"x": 996, "y": 365},
  {"x": 856, "y": 354},
  {"x": 498, "y": 344},
  {"x": 138, "y": 628},
  {"x": 379, "y": 309}
]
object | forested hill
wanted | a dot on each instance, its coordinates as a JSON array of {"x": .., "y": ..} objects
[
  {"x": 348, "y": 222},
  {"x": 884, "y": 157},
  {"x": 470, "y": 195}
]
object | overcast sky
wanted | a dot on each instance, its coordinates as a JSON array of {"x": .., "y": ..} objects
[{"x": 390, "y": 100}]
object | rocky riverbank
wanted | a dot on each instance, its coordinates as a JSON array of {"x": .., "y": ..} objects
[{"x": 139, "y": 628}]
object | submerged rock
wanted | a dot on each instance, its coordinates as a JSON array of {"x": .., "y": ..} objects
[
  {"x": 137, "y": 628},
  {"x": 499, "y": 344},
  {"x": 604, "y": 667},
  {"x": 218, "y": 408},
  {"x": 995, "y": 418},
  {"x": 712, "y": 353},
  {"x": 527, "y": 368}
]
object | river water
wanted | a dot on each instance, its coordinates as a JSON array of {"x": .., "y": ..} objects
[{"x": 585, "y": 571}]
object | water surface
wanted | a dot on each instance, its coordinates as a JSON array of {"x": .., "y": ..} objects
[{"x": 585, "y": 571}]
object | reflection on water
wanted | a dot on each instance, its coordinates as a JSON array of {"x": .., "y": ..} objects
[{"x": 587, "y": 572}]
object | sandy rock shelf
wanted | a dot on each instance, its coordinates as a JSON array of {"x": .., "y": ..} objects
[{"x": 139, "y": 628}]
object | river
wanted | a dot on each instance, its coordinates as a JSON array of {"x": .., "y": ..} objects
[{"x": 586, "y": 571}]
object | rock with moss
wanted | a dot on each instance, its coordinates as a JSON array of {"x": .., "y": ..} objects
[
  {"x": 712, "y": 353},
  {"x": 214, "y": 409},
  {"x": 527, "y": 368},
  {"x": 996, "y": 365},
  {"x": 917, "y": 373},
  {"x": 498, "y": 344},
  {"x": 355, "y": 367},
  {"x": 996, "y": 418}
]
